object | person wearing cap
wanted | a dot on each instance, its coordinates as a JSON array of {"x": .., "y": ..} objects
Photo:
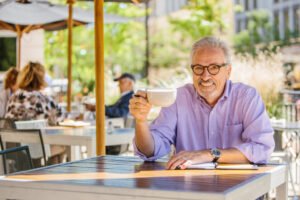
[{"x": 120, "y": 108}]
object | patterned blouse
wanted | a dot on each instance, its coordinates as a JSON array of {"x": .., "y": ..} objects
[{"x": 25, "y": 105}]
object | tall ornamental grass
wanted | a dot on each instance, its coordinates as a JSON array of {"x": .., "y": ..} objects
[{"x": 265, "y": 73}]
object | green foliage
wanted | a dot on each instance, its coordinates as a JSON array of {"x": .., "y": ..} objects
[
  {"x": 275, "y": 109},
  {"x": 257, "y": 32},
  {"x": 170, "y": 45},
  {"x": 7, "y": 53},
  {"x": 259, "y": 35},
  {"x": 123, "y": 42},
  {"x": 165, "y": 50},
  {"x": 206, "y": 16}
]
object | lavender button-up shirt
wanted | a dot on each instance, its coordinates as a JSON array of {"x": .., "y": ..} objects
[{"x": 238, "y": 120}]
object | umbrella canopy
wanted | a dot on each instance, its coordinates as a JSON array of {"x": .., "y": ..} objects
[
  {"x": 24, "y": 16},
  {"x": 30, "y": 15}
]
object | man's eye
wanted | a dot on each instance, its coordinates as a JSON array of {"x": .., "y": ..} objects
[
  {"x": 198, "y": 68},
  {"x": 214, "y": 67}
]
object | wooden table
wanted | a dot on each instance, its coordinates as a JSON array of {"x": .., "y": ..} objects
[
  {"x": 115, "y": 177},
  {"x": 83, "y": 136}
]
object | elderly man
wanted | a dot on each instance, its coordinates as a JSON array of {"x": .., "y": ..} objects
[
  {"x": 120, "y": 108},
  {"x": 212, "y": 119}
]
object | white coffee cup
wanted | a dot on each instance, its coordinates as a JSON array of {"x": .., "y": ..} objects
[{"x": 161, "y": 97}]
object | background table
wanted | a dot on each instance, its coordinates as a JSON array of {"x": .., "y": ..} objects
[
  {"x": 115, "y": 177},
  {"x": 82, "y": 136},
  {"x": 290, "y": 143}
]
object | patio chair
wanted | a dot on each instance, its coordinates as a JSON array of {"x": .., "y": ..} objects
[
  {"x": 284, "y": 157},
  {"x": 290, "y": 112},
  {"x": 16, "y": 159},
  {"x": 129, "y": 122},
  {"x": 37, "y": 149},
  {"x": 7, "y": 123}
]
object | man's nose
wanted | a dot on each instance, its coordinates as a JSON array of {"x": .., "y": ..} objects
[{"x": 206, "y": 75}]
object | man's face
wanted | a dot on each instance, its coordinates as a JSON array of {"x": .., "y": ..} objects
[
  {"x": 125, "y": 84},
  {"x": 210, "y": 87}
]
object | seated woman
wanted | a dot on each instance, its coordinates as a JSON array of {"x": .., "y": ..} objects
[
  {"x": 28, "y": 102},
  {"x": 10, "y": 87}
]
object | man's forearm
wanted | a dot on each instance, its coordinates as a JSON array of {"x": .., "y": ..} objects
[
  {"x": 143, "y": 139},
  {"x": 232, "y": 155}
]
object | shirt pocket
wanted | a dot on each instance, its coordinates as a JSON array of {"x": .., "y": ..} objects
[{"x": 234, "y": 134}]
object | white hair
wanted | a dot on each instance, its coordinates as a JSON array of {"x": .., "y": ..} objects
[{"x": 211, "y": 42}]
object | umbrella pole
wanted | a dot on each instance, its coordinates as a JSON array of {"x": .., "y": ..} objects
[
  {"x": 70, "y": 29},
  {"x": 99, "y": 69},
  {"x": 19, "y": 38}
]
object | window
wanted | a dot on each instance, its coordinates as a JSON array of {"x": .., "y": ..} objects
[
  {"x": 254, "y": 4},
  {"x": 238, "y": 26},
  {"x": 276, "y": 1},
  {"x": 246, "y": 5},
  {"x": 246, "y": 23},
  {"x": 286, "y": 20},
  {"x": 296, "y": 12},
  {"x": 276, "y": 26}
]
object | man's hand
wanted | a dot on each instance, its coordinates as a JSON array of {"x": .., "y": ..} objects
[
  {"x": 139, "y": 106},
  {"x": 139, "y": 109},
  {"x": 186, "y": 158}
]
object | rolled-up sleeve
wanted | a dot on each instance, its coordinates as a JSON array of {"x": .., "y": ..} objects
[
  {"x": 258, "y": 142},
  {"x": 163, "y": 131}
]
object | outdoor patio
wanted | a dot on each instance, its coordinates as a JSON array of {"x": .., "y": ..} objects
[{"x": 87, "y": 46}]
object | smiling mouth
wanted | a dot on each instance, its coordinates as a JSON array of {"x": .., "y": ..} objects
[{"x": 206, "y": 84}]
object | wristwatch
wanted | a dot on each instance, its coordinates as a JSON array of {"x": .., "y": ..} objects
[{"x": 216, "y": 154}]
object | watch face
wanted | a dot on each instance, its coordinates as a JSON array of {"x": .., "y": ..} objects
[{"x": 216, "y": 152}]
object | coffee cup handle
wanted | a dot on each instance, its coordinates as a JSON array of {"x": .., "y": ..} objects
[{"x": 136, "y": 95}]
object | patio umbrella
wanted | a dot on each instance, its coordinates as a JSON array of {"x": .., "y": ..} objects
[
  {"x": 99, "y": 69},
  {"x": 24, "y": 16}
]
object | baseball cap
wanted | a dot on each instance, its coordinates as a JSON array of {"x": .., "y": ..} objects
[{"x": 125, "y": 75}]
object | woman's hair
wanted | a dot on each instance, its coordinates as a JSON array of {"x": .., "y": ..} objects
[
  {"x": 32, "y": 77},
  {"x": 10, "y": 78}
]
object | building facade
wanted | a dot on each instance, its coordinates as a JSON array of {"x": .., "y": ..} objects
[
  {"x": 165, "y": 7},
  {"x": 285, "y": 14}
]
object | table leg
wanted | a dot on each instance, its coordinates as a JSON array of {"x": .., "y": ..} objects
[
  {"x": 76, "y": 153},
  {"x": 282, "y": 190},
  {"x": 91, "y": 148}
]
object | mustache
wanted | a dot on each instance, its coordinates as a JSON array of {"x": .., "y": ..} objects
[{"x": 207, "y": 81}]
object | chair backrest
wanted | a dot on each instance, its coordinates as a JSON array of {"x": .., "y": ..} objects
[
  {"x": 7, "y": 123},
  {"x": 1, "y": 144},
  {"x": 129, "y": 122},
  {"x": 290, "y": 112},
  {"x": 16, "y": 159},
  {"x": 32, "y": 137},
  {"x": 115, "y": 122}
]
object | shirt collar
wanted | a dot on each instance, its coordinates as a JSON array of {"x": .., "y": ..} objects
[
  {"x": 227, "y": 90},
  {"x": 125, "y": 93}
]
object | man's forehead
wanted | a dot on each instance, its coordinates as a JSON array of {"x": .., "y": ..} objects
[
  {"x": 209, "y": 53},
  {"x": 124, "y": 79}
]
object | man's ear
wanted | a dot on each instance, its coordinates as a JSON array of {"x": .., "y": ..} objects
[
  {"x": 228, "y": 71},
  {"x": 131, "y": 82}
]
